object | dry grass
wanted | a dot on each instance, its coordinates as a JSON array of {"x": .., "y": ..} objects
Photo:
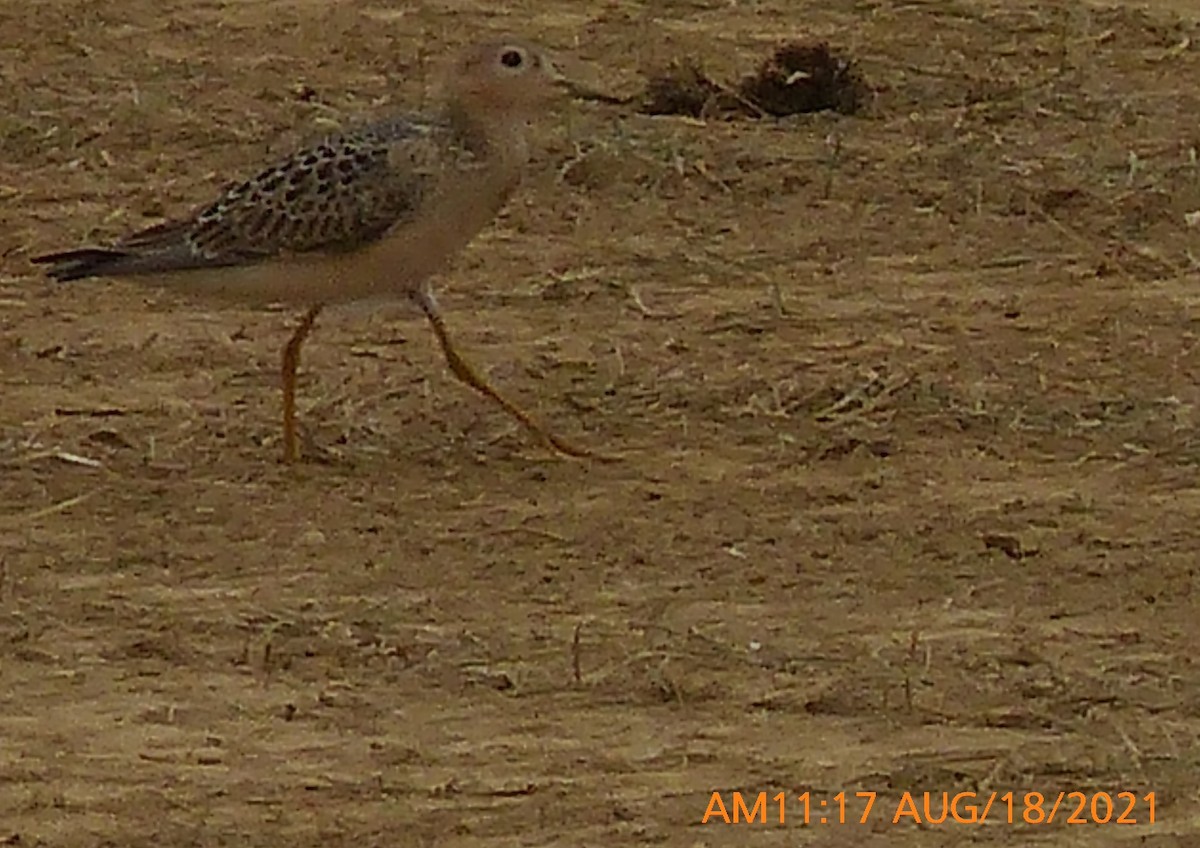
[{"x": 909, "y": 397}]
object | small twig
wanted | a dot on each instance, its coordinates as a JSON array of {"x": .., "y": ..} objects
[
  {"x": 620, "y": 357},
  {"x": 646, "y": 311},
  {"x": 867, "y": 398},
  {"x": 914, "y": 641},
  {"x": 740, "y": 99},
  {"x": 1014, "y": 261},
  {"x": 777, "y": 300},
  {"x": 702, "y": 170},
  {"x": 575, "y": 651},
  {"x": 61, "y": 506},
  {"x": 76, "y": 459},
  {"x": 266, "y": 661},
  {"x": 833, "y": 143},
  {"x": 534, "y": 531},
  {"x": 63, "y": 456},
  {"x": 1134, "y": 752},
  {"x": 99, "y": 412}
]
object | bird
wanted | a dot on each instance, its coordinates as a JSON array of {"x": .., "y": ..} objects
[{"x": 372, "y": 212}]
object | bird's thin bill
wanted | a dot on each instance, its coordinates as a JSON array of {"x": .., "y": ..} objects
[{"x": 577, "y": 78}]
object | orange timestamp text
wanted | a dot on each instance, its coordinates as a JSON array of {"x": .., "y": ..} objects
[{"x": 932, "y": 808}]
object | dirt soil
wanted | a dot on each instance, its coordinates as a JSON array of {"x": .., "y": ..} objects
[{"x": 908, "y": 398}]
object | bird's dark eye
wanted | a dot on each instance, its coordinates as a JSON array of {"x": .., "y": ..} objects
[{"x": 512, "y": 58}]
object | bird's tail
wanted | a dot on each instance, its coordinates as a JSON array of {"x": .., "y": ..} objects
[{"x": 87, "y": 262}]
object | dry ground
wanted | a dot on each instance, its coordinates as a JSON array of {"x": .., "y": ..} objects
[{"x": 909, "y": 399}]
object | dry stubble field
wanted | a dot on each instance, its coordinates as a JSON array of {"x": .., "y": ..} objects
[{"x": 909, "y": 400}]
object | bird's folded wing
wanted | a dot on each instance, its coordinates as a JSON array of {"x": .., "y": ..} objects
[{"x": 338, "y": 195}]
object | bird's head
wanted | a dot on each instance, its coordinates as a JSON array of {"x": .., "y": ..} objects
[{"x": 509, "y": 77}]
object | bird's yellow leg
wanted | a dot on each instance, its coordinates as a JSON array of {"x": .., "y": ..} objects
[
  {"x": 463, "y": 370},
  {"x": 291, "y": 361}
]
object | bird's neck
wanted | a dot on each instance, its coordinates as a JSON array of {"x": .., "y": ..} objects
[{"x": 490, "y": 138}]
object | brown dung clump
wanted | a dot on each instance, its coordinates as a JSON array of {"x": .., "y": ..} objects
[
  {"x": 798, "y": 77},
  {"x": 801, "y": 77},
  {"x": 682, "y": 89}
]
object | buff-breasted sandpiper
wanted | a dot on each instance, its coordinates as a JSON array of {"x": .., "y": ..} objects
[{"x": 370, "y": 213}]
